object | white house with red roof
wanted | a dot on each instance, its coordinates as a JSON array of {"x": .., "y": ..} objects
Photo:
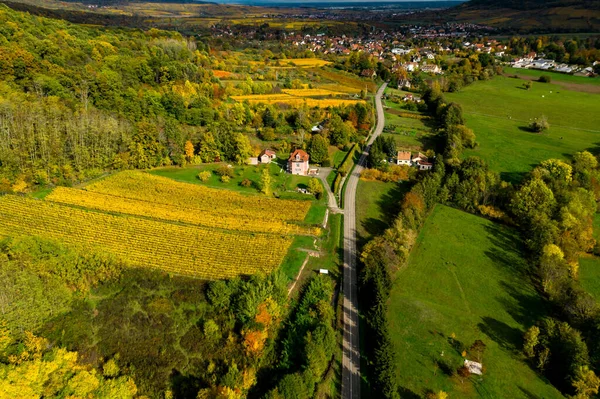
[
  {"x": 422, "y": 162},
  {"x": 298, "y": 163},
  {"x": 266, "y": 156},
  {"x": 404, "y": 158}
]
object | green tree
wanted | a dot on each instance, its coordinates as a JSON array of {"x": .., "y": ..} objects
[
  {"x": 318, "y": 149},
  {"x": 315, "y": 187},
  {"x": 243, "y": 148}
]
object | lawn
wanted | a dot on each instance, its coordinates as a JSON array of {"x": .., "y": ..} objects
[
  {"x": 377, "y": 203},
  {"x": 281, "y": 181},
  {"x": 500, "y": 110},
  {"x": 556, "y": 76},
  {"x": 589, "y": 275},
  {"x": 466, "y": 277}
]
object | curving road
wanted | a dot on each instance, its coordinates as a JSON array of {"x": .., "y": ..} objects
[{"x": 351, "y": 352}]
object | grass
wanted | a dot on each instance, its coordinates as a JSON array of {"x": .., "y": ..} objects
[
  {"x": 377, "y": 203},
  {"x": 293, "y": 260},
  {"x": 589, "y": 275},
  {"x": 466, "y": 276},
  {"x": 281, "y": 181},
  {"x": 499, "y": 112},
  {"x": 338, "y": 157},
  {"x": 41, "y": 193},
  {"x": 556, "y": 76}
]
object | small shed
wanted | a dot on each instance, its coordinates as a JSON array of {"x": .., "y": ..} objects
[{"x": 474, "y": 367}]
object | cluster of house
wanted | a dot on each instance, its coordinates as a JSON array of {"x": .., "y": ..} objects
[
  {"x": 532, "y": 61},
  {"x": 419, "y": 161},
  {"x": 297, "y": 162}
]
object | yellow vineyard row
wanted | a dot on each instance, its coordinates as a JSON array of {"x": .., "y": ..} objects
[
  {"x": 295, "y": 101},
  {"x": 187, "y": 250},
  {"x": 111, "y": 203},
  {"x": 312, "y": 92},
  {"x": 161, "y": 190}
]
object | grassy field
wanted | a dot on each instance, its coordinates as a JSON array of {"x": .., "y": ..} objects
[
  {"x": 556, "y": 76},
  {"x": 465, "y": 277},
  {"x": 377, "y": 203},
  {"x": 589, "y": 275},
  {"x": 500, "y": 110},
  {"x": 282, "y": 181}
]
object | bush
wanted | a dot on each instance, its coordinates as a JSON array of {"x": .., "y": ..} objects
[
  {"x": 545, "y": 79},
  {"x": 540, "y": 124},
  {"x": 204, "y": 176},
  {"x": 246, "y": 183},
  {"x": 224, "y": 170},
  {"x": 225, "y": 179}
]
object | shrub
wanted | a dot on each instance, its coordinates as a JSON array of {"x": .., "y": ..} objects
[
  {"x": 539, "y": 124},
  {"x": 224, "y": 170},
  {"x": 246, "y": 183},
  {"x": 545, "y": 79},
  {"x": 204, "y": 176},
  {"x": 225, "y": 179}
]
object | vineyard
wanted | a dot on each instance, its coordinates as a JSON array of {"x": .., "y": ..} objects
[
  {"x": 295, "y": 100},
  {"x": 161, "y": 190},
  {"x": 215, "y": 219},
  {"x": 188, "y": 250}
]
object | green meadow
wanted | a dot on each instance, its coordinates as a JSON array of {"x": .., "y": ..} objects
[
  {"x": 465, "y": 280},
  {"x": 500, "y": 110},
  {"x": 555, "y": 76}
]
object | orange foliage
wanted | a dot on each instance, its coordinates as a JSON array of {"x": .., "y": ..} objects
[
  {"x": 413, "y": 200},
  {"x": 263, "y": 317},
  {"x": 254, "y": 341},
  {"x": 221, "y": 74}
]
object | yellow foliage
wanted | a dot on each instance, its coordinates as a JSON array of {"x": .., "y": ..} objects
[
  {"x": 19, "y": 186},
  {"x": 254, "y": 341},
  {"x": 189, "y": 250}
]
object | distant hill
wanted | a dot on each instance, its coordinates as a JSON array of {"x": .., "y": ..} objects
[
  {"x": 534, "y": 4},
  {"x": 532, "y": 15},
  {"x": 124, "y": 2}
]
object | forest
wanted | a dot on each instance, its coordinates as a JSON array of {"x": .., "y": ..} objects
[{"x": 118, "y": 98}]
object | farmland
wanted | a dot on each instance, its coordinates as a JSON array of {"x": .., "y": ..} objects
[
  {"x": 136, "y": 216},
  {"x": 410, "y": 129},
  {"x": 186, "y": 250},
  {"x": 465, "y": 280},
  {"x": 500, "y": 110},
  {"x": 297, "y": 99}
]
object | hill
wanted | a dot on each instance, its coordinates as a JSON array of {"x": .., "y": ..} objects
[{"x": 531, "y": 15}]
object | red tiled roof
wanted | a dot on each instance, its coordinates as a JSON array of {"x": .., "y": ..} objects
[
  {"x": 267, "y": 152},
  {"x": 302, "y": 155},
  {"x": 404, "y": 155}
]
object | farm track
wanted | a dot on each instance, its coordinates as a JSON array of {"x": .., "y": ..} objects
[{"x": 351, "y": 346}]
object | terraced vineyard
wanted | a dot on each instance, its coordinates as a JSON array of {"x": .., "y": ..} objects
[
  {"x": 161, "y": 190},
  {"x": 188, "y": 250},
  {"x": 153, "y": 221},
  {"x": 184, "y": 214}
]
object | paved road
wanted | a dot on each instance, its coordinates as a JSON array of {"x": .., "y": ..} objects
[{"x": 351, "y": 353}]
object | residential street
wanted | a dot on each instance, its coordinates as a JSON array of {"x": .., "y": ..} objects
[{"x": 351, "y": 346}]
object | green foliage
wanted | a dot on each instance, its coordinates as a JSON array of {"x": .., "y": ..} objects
[
  {"x": 40, "y": 278},
  {"x": 318, "y": 149},
  {"x": 540, "y": 124},
  {"x": 315, "y": 187},
  {"x": 309, "y": 342}
]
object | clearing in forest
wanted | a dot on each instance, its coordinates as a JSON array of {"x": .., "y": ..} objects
[{"x": 465, "y": 280}]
